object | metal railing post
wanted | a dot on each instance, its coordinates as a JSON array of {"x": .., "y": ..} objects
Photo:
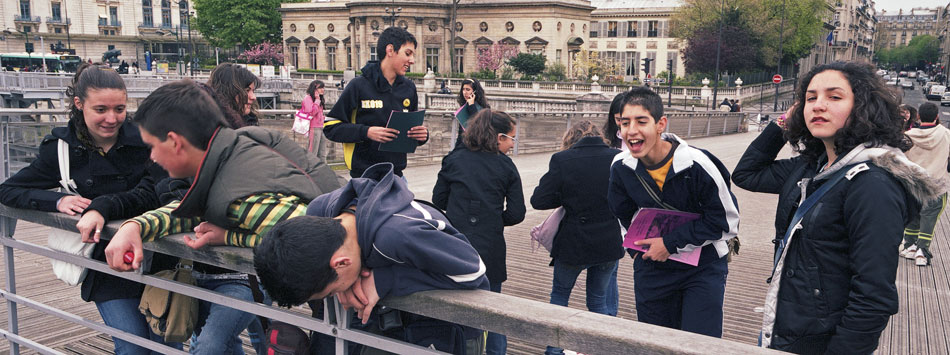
[{"x": 7, "y": 226}]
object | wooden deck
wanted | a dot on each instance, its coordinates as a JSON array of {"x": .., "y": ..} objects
[{"x": 921, "y": 327}]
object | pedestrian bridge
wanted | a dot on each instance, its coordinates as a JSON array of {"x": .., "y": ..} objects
[{"x": 521, "y": 311}]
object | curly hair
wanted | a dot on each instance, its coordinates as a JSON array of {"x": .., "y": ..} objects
[
  {"x": 580, "y": 130},
  {"x": 874, "y": 118},
  {"x": 484, "y": 128},
  {"x": 477, "y": 89}
]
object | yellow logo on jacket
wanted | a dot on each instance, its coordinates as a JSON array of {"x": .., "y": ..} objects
[
  {"x": 405, "y": 103},
  {"x": 371, "y": 104}
]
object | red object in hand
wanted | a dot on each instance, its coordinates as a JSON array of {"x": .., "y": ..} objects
[{"x": 128, "y": 257}]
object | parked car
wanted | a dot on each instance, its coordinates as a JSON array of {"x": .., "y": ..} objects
[
  {"x": 912, "y": 74},
  {"x": 945, "y": 100},
  {"x": 892, "y": 82},
  {"x": 923, "y": 78},
  {"x": 902, "y": 74},
  {"x": 906, "y": 84},
  {"x": 936, "y": 92}
]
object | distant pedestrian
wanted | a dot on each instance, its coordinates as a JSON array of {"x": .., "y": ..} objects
[
  {"x": 725, "y": 106},
  {"x": 480, "y": 190},
  {"x": 931, "y": 150},
  {"x": 472, "y": 97},
  {"x": 313, "y": 104}
]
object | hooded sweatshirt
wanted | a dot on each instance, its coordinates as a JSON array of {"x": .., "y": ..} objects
[
  {"x": 367, "y": 101},
  {"x": 931, "y": 149},
  {"x": 402, "y": 239}
]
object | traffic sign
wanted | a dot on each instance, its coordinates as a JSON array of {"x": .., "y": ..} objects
[{"x": 777, "y": 79}]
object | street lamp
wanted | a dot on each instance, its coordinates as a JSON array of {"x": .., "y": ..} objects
[
  {"x": 393, "y": 13},
  {"x": 780, "y": 55}
]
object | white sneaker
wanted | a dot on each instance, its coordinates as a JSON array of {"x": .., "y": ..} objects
[
  {"x": 920, "y": 259},
  {"x": 910, "y": 252}
]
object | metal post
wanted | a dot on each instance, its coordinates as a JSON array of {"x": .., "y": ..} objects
[
  {"x": 43, "y": 53},
  {"x": 191, "y": 45},
  {"x": 780, "y": 55},
  {"x": 718, "y": 49},
  {"x": 7, "y": 226}
]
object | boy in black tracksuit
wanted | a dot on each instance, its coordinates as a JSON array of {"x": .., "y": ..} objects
[
  {"x": 359, "y": 117},
  {"x": 670, "y": 293}
]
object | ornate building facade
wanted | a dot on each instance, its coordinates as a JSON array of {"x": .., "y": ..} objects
[
  {"x": 91, "y": 27},
  {"x": 629, "y": 30},
  {"x": 897, "y": 29},
  {"x": 338, "y": 35}
]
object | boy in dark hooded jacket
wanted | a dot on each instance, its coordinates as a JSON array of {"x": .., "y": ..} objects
[{"x": 363, "y": 242}]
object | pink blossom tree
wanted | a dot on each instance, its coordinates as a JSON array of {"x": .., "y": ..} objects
[
  {"x": 494, "y": 57},
  {"x": 265, "y": 53}
]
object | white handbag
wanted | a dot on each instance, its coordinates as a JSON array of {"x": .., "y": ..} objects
[
  {"x": 301, "y": 123},
  {"x": 66, "y": 241}
]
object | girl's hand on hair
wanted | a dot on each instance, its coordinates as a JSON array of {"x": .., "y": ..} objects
[
  {"x": 381, "y": 134},
  {"x": 72, "y": 204},
  {"x": 419, "y": 133},
  {"x": 90, "y": 226},
  {"x": 782, "y": 120}
]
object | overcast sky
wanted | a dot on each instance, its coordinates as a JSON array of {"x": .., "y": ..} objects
[{"x": 892, "y": 6}]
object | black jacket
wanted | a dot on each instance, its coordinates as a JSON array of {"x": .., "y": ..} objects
[
  {"x": 367, "y": 101},
  {"x": 577, "y": 179},
  {"x": 837, "y": 288},
  {"x": 121, "y": 169},
  {"x": 481, "y": 193}
]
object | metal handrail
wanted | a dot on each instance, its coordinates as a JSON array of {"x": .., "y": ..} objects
[{"x": 518, "y": 318}]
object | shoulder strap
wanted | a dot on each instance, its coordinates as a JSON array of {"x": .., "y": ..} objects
[
  {"x": 810, "y": 202},
  {"x": 258, "y": 297},
  {"x": 62, "y": 154},
  {"x": 653, "y": 194}
]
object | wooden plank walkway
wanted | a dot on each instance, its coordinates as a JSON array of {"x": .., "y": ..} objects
[{"x": 921, "y": 327}]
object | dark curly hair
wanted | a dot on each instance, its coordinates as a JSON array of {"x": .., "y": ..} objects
[
  {"x": 230, "y": 82},
  {"x": 874, "y": 119}
]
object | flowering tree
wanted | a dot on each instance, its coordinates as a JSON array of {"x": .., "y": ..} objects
[
  {"x": 494, "y": 57},
  {"x": 265, "y": 53}
]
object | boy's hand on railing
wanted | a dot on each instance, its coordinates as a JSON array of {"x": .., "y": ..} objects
[
  {"x": 368, "y": 284},
  {"x": 72, "y": 204},
  {"x": 206, "y": 234},
  {"x": 90, "y": 226},
  {"x": 126, "y": 239}
]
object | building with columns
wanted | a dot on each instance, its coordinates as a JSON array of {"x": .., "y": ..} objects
[
  {"x": 341, "y": 34},
  {"x": 91, "y": 27}
]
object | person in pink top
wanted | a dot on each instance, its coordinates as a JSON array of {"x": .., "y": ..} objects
[{"x": 312, "y": 105}]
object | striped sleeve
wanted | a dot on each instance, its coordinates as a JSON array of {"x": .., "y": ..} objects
[
  {"x": 159, "y": 222},
  {"x": 257, "y": 214}
]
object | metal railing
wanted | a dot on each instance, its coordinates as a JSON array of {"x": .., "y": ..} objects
[
  {"x": 25, "y": 18},
  {"x": 23, "y": 82}
]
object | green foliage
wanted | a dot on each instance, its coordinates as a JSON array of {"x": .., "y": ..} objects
[
  {"x": 507, "y": 73},
  {"x": 528, "y": 64},
  {"x": 751, "y": 31},
  {"x": 555, "y": 72},
  {"x": 920, "y": 51},
  {"x": 484, "y": 74},
  {"x": 226, "y": 23}
]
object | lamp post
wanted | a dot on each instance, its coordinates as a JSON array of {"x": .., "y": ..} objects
[
  {"x": 780, "y": 55},
  {"x": 393, "y": 13},
  {"x": 191, "y": 45},
  {"x": 722, "y": 6}
]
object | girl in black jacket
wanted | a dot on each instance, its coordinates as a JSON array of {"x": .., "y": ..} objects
[
  {"x": 833, "y": 287},
  {"x": 588, "y": 237},
  {"x": 106, "y": 156},
  {"x": 479, "y": 187}
]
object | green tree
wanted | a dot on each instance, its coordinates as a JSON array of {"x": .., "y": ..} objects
[
  {"x": 528, "y": 64},
  {"x": 226, "y": 23},
  {"x": 760, "y": 22},
  {"x": 921, "y": 50}
]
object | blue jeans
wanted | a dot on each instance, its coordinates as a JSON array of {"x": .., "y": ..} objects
[
  {"x": 219, "y": 326},
  {"x": 598, "y": 282},
  {"x": 613, "y": 293},
  {"x": 123, "y": 314},
  {"x": 497, "y": 344}
]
